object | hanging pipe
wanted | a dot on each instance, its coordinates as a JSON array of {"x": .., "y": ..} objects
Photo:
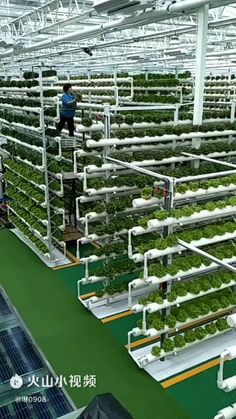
[{"x": 155, "y": 15}]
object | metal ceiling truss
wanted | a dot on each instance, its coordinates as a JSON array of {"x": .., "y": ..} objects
[
  {"x": 41, "y": 19},
  {"x": 58, "y": 30}
]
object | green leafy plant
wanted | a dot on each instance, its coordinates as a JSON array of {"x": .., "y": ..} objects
[
  {"x": 168, "y": 345},
  {"x": 190, "y": 336},
  {"x": 214, "y": 304},
  {"x": 200, "y": 333},
  {"x": 170, "y": 321},
  {"x": 182, "y": 315},
  {"x": 171, "y": 296},
  {"x": 211, "y": 329},
  {"x": 221, "y": 324},
  {"x": 179, "y": 341},
  {"x": 193, "y": 311},
  {"x": 181, "y": 290},
  {"x": 158, "y": 324},
  {"x": 86, "y": 121},
  {"x": 156, "y": 351}
]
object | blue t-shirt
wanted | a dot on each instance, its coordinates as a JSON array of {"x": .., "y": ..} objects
[{"x": 68, "y": 105}]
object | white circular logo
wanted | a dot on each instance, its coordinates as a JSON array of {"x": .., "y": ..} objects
[{"x": 16, "y": 381}]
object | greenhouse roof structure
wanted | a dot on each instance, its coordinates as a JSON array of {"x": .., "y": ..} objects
[{"x": 108, "y": 33}]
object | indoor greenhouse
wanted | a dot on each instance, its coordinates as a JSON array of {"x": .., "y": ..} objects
[{"x": 118, "y": 209}]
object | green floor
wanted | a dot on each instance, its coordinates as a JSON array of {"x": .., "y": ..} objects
[
  {"x": 73, "y": 340},
  {"x": 200, "y": 396}
]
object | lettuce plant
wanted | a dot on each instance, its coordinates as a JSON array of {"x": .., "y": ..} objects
[
  {"x": 211, "y": 329},
  {"x": 158, "y": 324},
  {"x": 216, "y": 281},
  {"x": 170, "y": 321},
  {"x": 205, "y": 284},
  {"x": 222, "y": 324},
  {"x": 194, "y": 288},
  {"x": 203, "y": 307},
  {"x": 181, "y": 290},
  {"x": 225, "y": 302},
  {"x": 200, "y": 333},
  {"x": 179, "y": 341},
  {"x": 182, "y": 315},
  {"x": 171, "y": 296},
  {"x": 193, "y": 311},
  {"x": 168, "y": 345},
  {"x": 190, "y": 336},
  {"x": 156, "y": 351},
  {"x": 214, "y": 304}
]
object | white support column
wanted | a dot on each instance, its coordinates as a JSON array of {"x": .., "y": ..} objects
[{"x": 201, "y": 47}]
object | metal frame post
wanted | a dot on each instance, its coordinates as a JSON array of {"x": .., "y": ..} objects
[
  {"x": 44, "y": 152},
  {"x": 201, "y": 48},
  {"x": 167, "y": 260}
]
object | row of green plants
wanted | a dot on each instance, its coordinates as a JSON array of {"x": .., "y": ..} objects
[
  {"x": 186, "y": 211},
  {"x": 89, "y": 160},
  {"x": 141, "y": 181},
  {"x": 116, "y": 248},
  {"x": 221, "y": 77},
  {"x": 21, "y": 102},
  {"x": 34, "y": 75},
  {"x": 216, "y": 99},
  {"x": 168, "y": 82},
  {"x": 152, "y": 98},
  {"x": 114, "y": 205},
  {"x": 192, "y": 234},
  {"x": 25, "y": 202},
  {"x": 159, "y": 117},
  {"x": 15, "y": 101},
  {"x": 25, "y": 171},
  {"x": 27, "y": 232},
  {"x": 59, "y": 166},
  {"x": 184, "y": 264},
  {"x": 130, "y": 118},
  {"x": 212, "y": 90},
  {"x": 26, "y": 208},
  {"x": 25, "y": 186},
  {"x": 161, "y": 154},
  {"x": 31, "y": 121},
  {"x": 113, "y": 268},
  {"x": 203, "y": 306},
  {"x": 18, "y": 83},
  {"x": 183, "y": 188},
  {"x": 129, "y": 181},
  {"x": 116, "y": 225},
  {"x": 156, "y": 76},
  {"x": 23, "y": 153},
  {"x": 112, "y": 289},
  {"x": 25, "y": 138},
  {"x": 28, "y": 218},
  {"x": 190, "y": 336},
  {"x": 192, "y": 287},
  {"x": 48, "y": 93},
  {"x": 172, "y": 130},
  {"x": 213, "y": 183},
  {"x": 119, "y": 247},
  {"x": 159, "y": 76}
]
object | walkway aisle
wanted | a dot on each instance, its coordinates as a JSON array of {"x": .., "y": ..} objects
[{"x": 73, "y": 341}]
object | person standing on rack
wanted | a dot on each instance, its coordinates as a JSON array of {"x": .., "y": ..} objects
[{"x": 68, "y": 109}]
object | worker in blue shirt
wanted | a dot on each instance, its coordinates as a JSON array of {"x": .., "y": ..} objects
[{"x": 68, "y": 109}]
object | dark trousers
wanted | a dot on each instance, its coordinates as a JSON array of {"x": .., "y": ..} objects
[{"x": 70, "y": 124}]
